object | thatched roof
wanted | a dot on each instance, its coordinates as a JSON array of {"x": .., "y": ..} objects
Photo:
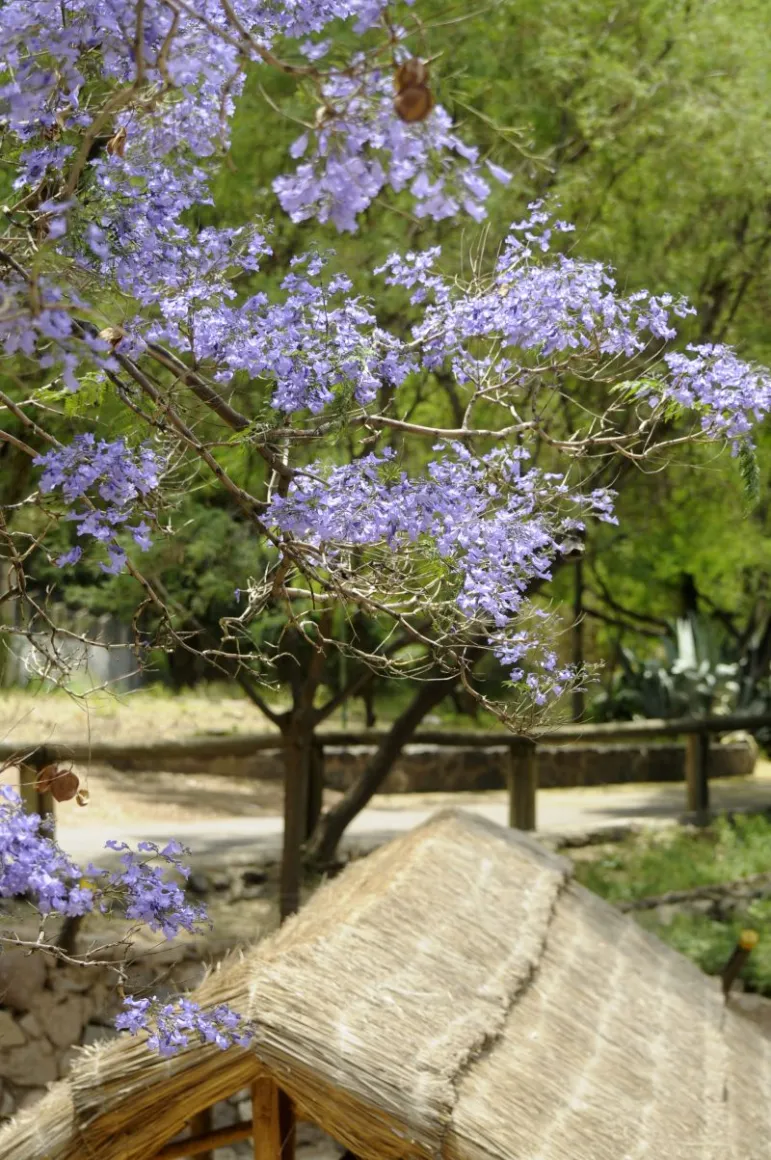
[{"x": 454, "y": 995}]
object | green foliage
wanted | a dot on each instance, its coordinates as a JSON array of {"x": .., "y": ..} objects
[
  {"x": 709, "y": 942},
  {"x": 675, "y": 858},
  {"x": 678, "y": 859},
  {"x": 749, "y": 470},
  {"x": 696, "y": 676}
]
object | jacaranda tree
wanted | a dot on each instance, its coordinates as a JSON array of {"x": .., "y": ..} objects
[{"x": 187, "y": 360}]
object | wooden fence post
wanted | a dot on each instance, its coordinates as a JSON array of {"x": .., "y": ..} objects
[
  {"x": 33, "y": 800},
  {"x": 697, "y": 775},
  {"x": 523, "y": 783}
]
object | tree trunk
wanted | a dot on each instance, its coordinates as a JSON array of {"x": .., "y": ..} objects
[
  {"x": 315, "y": 786},
  {"x": 321, "y": 848},
  {"x": 302, "y": 805},
  {"x": 578, "y": 702}
]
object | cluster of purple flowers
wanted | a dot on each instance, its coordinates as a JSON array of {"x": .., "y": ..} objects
[
  {"x": 147, "y": 894},
  {"x": 362, "y": 147},
  {"x": 121, "y": 476},
  {"x": 44, "y": 331},
  {"x": 731, "y": 395},
  {"x": 319, "y": 340},
  {"x": 33, "y": 866},
  {"x": 496, "y": 526},
  {"x": 171, "y": 1027}
]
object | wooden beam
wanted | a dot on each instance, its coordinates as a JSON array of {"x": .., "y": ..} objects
[
  {"x": 198, "y": 1144},
  {"x": 287, "y": 1126}
]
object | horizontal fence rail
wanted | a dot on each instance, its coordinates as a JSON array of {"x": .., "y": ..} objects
[{"x": 523, "y": 766}]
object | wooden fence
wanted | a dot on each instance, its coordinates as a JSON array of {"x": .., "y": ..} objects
[{"x": 523, "y": 763}]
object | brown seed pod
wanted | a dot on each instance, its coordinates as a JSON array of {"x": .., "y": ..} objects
[
  {"x": 65, "y": 785},
  {"x": 112, "y": 334},
  {"x": 414, "y": 103},
  {"x": 117, "y": 144},
  {"x": 412, "y": 73},
  {"x": 45, "y": 777},
  {"x": 82, "y": 797}
]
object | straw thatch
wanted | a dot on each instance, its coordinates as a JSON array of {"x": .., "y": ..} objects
[{"x": 454, "y": 995}]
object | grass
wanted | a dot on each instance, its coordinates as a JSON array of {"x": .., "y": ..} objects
[{"x": 681, "y": 859}]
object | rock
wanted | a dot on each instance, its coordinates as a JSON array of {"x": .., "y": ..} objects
[
  {"x": 314, "y": 1144},
  {"x": 668, "y": 912},
  {"x": 223, "y": 1116},
  {"x": 66, "y": 1022},
  {"x": 11, "y": 1034},
  {"x": 31, "y": 1097},
  {"x": 92, "y": 1034},
  {"x": 22, "y": 976},
  {"x": 250, "y": 893},
  {"x": 72, "y": 984},
  {"x": 33, "y": 1065},
  {"x": 66, "y": 1061},
  {"x": 31, "y": 1025},
  {"x": 198, "y": 883},
  {"x": 253, "y": 877},
  {"x": 220, "y": 881},
  {"x": 7, "y": 1104},
  {"x": 706, "y": 906}
]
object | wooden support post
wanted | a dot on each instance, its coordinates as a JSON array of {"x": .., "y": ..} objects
[
  {"x": 35, "y": 802},
  {"x": 697, "y": 775},
  {"x": 201, "y": 1125},
  {"x": 523, "y": 783},
  {"x": 273, "y": 1125}
]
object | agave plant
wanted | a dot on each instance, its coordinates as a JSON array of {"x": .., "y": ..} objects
[{"x": 696, "y": 675}]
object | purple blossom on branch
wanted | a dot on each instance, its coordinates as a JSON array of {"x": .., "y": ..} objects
[
  {"x": 171, "y": 1027},
  {"x": 33, "y": 866},
  {"x": 113, "y": 472},
  {"x": 496, "y": 525}
]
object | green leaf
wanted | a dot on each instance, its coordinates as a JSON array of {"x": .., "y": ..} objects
[{"x": 750, "y": 473}]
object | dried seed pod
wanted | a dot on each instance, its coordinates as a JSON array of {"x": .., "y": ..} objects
[
  {"x": 45, "y": 777},
  {"x": 117, "y": 144},
  {"x": 413, "y": 73},
  {"x": 112, "y": 334},
  {"x": 82, "y": 797},
  {"x": 414, "y": 103},
  {"x": 65, "y": 785}
]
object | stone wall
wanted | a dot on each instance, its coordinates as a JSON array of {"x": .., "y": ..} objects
[
  {"x": 49, "y": 1010},
  {"x": 426, "y": 769}
]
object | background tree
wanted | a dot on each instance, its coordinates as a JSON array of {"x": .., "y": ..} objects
[{"x": 309, "y": 411}]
